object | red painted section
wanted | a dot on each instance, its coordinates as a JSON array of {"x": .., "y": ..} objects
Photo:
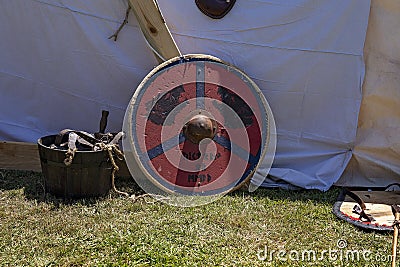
[
  {"x": 223, "y": 75},
  {"x": 177, "y": 85},
  {"x": 193, "y": 179},
  {"x": 162, "y": 82}
]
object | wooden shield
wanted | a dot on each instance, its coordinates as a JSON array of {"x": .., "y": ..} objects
[
  {"x": 378, "y": 206},
  {"x": 159, "y": 150}
]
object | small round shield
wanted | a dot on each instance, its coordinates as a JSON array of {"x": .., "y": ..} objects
[{"x": 195, "y": 127}]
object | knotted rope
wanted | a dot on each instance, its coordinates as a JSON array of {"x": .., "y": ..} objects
[{"x": 110, "y": 148}]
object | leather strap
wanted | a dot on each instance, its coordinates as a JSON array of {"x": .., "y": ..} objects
[
  {"x": 84, "y": 135},
  {"x": 360, "y": 210}
]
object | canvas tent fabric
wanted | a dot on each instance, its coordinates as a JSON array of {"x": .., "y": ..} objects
[
  {"x": 376, "y": 154},
  {"x": 60, "y": 70}
]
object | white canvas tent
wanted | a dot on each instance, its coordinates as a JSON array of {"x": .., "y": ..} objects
[
  {"x": 376, "y": 152},
  {"x": 59, "y": 70}
]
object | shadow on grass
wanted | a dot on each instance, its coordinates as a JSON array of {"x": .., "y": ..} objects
[
  {"x": 329, "y": 197},
  {"x": 31, "y": 182},
  {"x": 32, "y": 185}
]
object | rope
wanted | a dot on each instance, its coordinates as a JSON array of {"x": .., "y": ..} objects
[
  {"x": 114, "y": 148},
  {"x": 115, "y": 35},
  {"x": 110, "y": 148},
  {"x": 69, "y": 156}
]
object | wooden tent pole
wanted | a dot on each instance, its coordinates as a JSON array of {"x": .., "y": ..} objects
[
  {"x": 396, "y": 213},
  {"x": 154, "y": 29}
]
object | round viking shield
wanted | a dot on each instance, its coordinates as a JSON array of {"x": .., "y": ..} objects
[{"x": 195, "y": 129}]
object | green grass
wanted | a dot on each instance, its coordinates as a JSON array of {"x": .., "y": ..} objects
[{"x": 40, "y": 230}]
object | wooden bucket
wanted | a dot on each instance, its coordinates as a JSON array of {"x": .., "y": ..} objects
[{"x": 89, "y": 175}]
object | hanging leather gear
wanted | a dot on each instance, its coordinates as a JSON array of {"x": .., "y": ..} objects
[{"x": 215, "y": 9}]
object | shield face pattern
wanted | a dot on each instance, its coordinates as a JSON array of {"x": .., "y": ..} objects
[
  {"x": 215, "y": 9},
  {"x": 170, "y": 96}
]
